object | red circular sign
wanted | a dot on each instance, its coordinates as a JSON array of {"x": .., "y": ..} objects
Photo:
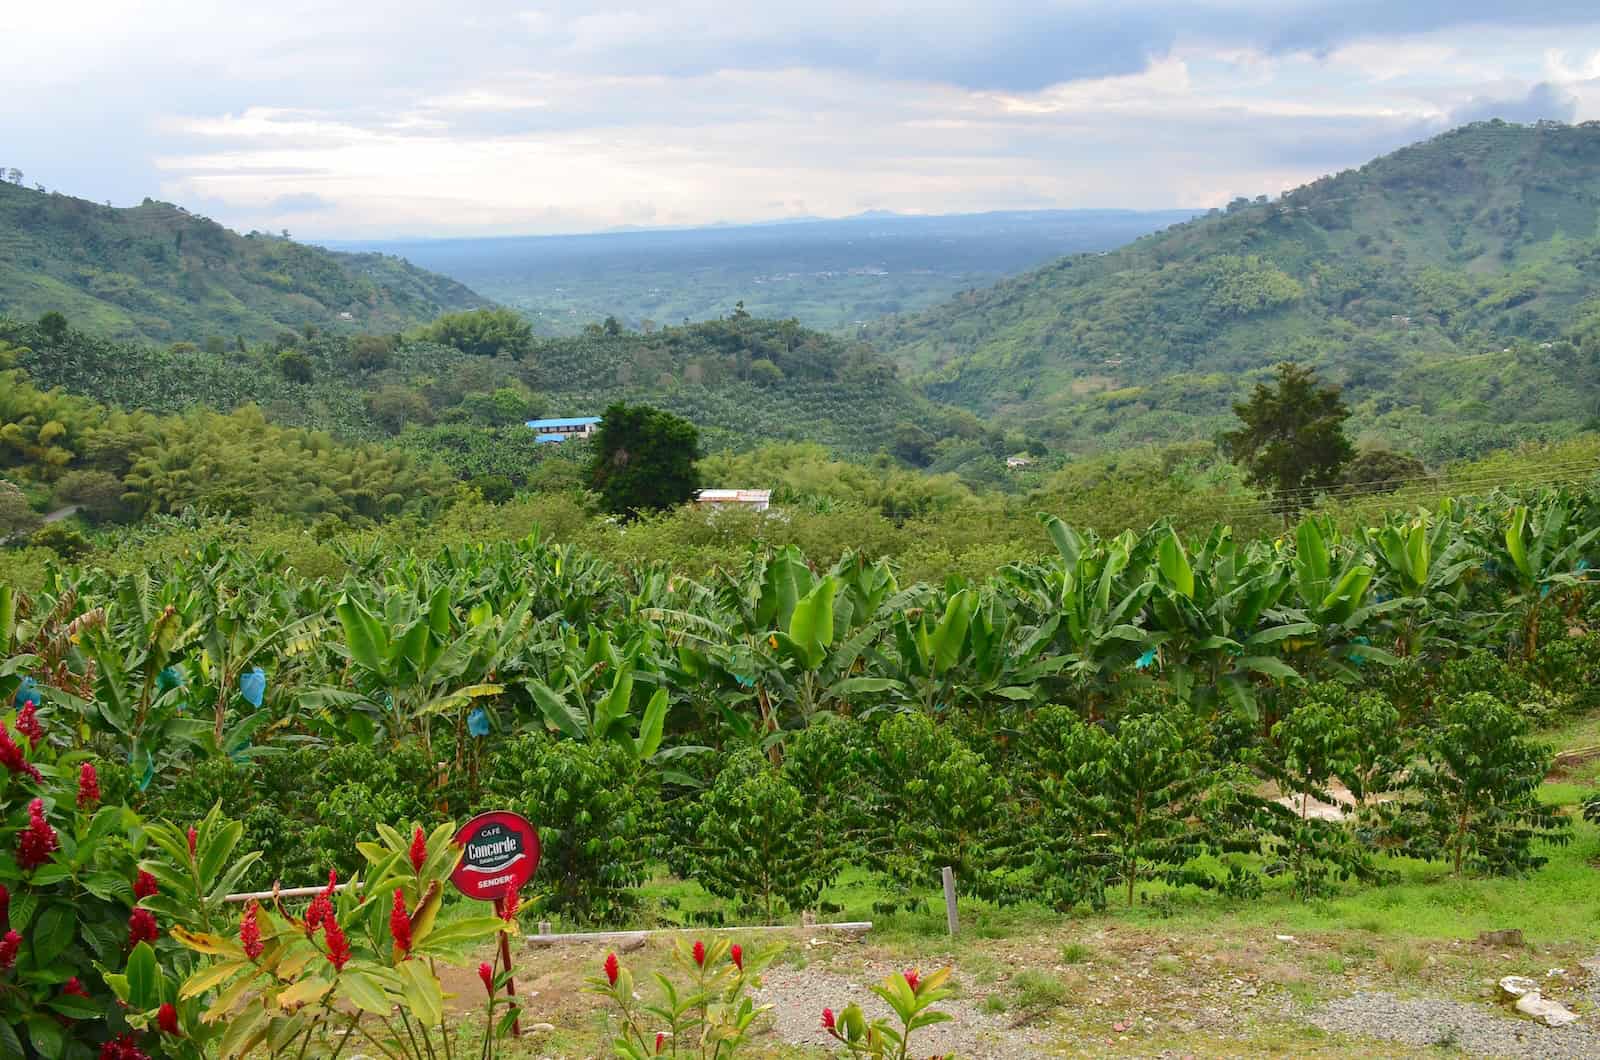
[{"x": 500, "y": 850}]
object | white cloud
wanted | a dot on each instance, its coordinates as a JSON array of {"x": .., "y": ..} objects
[{"x": 412, "y": 117}]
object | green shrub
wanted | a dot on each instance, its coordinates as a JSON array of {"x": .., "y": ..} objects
[
  {"x": 591, "y": 808},
  {"x": 1477, "y": 786},
  {"x": 760, "y": 841}
]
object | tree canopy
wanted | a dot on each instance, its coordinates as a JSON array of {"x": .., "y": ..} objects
[
  {"x": 644, "y": 459},
  {"x": 1291, "y": 441}
]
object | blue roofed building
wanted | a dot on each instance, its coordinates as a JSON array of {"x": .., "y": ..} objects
[{"x": 561, "y": 430}]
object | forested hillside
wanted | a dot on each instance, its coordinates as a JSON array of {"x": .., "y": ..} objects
[
  {"x": 161, "y": 273},
  {"x": 1453, "y": 287},
  {"x": 742, "y": 380}
]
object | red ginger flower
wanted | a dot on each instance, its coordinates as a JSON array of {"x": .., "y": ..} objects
[
  {"x": 122, "y": 1047},
  {"x": 912, "y": 978},
  {"x": 661, "y": 1042},
  {"x": 88, "y": 787},
  {"x": 193, "y": 835},
  {"x": 737, "y": 955},
  {"x": 320, "y": 911},
  {"x": 28, "y": 723},
  {"x": 250, "y": 933},
  {"x": 167, "y": 1019},
  {"x": 338, "y": 948},
  {"x": 699, "y": 953},
  {"x": 142, "y": 927},
  {"x": 5, "y": 902},
  {"x": 9, "y": 944},
  {"x": 144, "y": 886},
  {"x": 419, "y": 850},
  {"x": 506, "y": 908},
  {"x": 74, "y": 988},
  {"x": 612, "y": 968},
  {"x": 11, "y": 756},
  {"x": 486, "y": 973},
  {"x": 38, "y": 841},
  {"x": 400, "y": 922},
  {"x": 827, "y": 1019}
]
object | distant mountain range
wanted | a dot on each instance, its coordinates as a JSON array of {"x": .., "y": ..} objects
[
  {"x": 1452, "y": 286},
  {"x": 159, "y": 273},
  {"x": 828, "y": 273}
]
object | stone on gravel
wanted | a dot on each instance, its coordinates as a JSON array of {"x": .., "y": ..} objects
[
  {"x": 1514, "y": 986},
  {"x": 1507, "y": 937},
  {"x": 1547, "y": 1011},
  {"x": 1476, "y": 1030}
]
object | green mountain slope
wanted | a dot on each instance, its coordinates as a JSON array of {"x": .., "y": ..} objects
[
  {"x": 160, "y": 273},
  {"x": 1453, "y": 287},
  {"x": 744, "y": 381}
]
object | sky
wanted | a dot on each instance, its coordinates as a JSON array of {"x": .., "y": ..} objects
[{"x": 366, "y": 119}]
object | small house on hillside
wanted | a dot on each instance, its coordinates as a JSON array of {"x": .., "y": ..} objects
[
  {"x": 754, "y": 500},
  {"x": 1016, "y": 463},
  {"x": 561, "y": 430}
]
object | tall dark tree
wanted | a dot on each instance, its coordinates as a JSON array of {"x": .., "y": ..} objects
[
  {"x": 1291, "y": 439},
  {"x": 644, "y": 459}
]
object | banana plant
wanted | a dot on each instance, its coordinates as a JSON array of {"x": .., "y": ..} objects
[
  {"x": 610, "y": 718},
  {"x": 1214, "y": 636},
  {"x": 1424, "y": 560},
  {"x": 1334, "y": 598},
  {"x": 1546, "y": 550},
  {"x": 412, "y": 665}
]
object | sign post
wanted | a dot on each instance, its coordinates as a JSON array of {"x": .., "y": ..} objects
[{"x": 499, "y": 853}]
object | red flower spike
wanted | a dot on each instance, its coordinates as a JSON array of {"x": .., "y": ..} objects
[
  {"x": 74, "y": 988},
  {"x": 167, "y": 1019},
  {"x": 338, "y": 948},
  {"x": 144, "y": 886},
  {"x": 506, "y": 908},
  {"x": 122, "y": 1047},
  {"x": 11, "y": 757},
  {"x": 419, "y": 850},
  {"x": 486, "y": 973},
  {"x": 88, "y": 787},
  {"x": 912, "y": 978},
  {"x": 699, "y": 953},
  {"x": 10, "y": 943},
  {"x": 193, "y": 836},
  {"x": 612, "y": 968},
  {"x": 400, "y": 923},
  {"x": 250, "y": 933},
  {"x": 661, "y": 1042},
  {"x": 827, "y": 1019},
  {"x": 38, "y": 841},
  {"x": 737, "y": 955},
  {"x": 28, "y": 723},
  {"x": 142, "y": 927},
  {"x": 5, "y": 902}
]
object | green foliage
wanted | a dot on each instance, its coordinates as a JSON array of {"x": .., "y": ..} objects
[
  {"x": 760, "y": 841},
  {"x": 160, "y": 273},
  {"x": 591, "y": 808},
  {"x": 932, "y": 803},
  {"x": 1291, "y": 442},
  {"x": 1447, "y": 286},
  {"x": 483, "y": 333},
  {"x": 1477, "y": 789},
  {"x": 644, "y": 459}
]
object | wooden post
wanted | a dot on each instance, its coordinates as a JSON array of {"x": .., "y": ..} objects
[
  {"x": 951, "y": 919},
  {"x": 511, "y": 985}
]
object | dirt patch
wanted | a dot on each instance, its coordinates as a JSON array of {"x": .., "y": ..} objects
[{"x": 798, "y": 996}]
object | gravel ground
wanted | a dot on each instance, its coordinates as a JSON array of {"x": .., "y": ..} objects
[
  {"x": 800, "y": 995},
  {"x": 1479, "y": 1030}
]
